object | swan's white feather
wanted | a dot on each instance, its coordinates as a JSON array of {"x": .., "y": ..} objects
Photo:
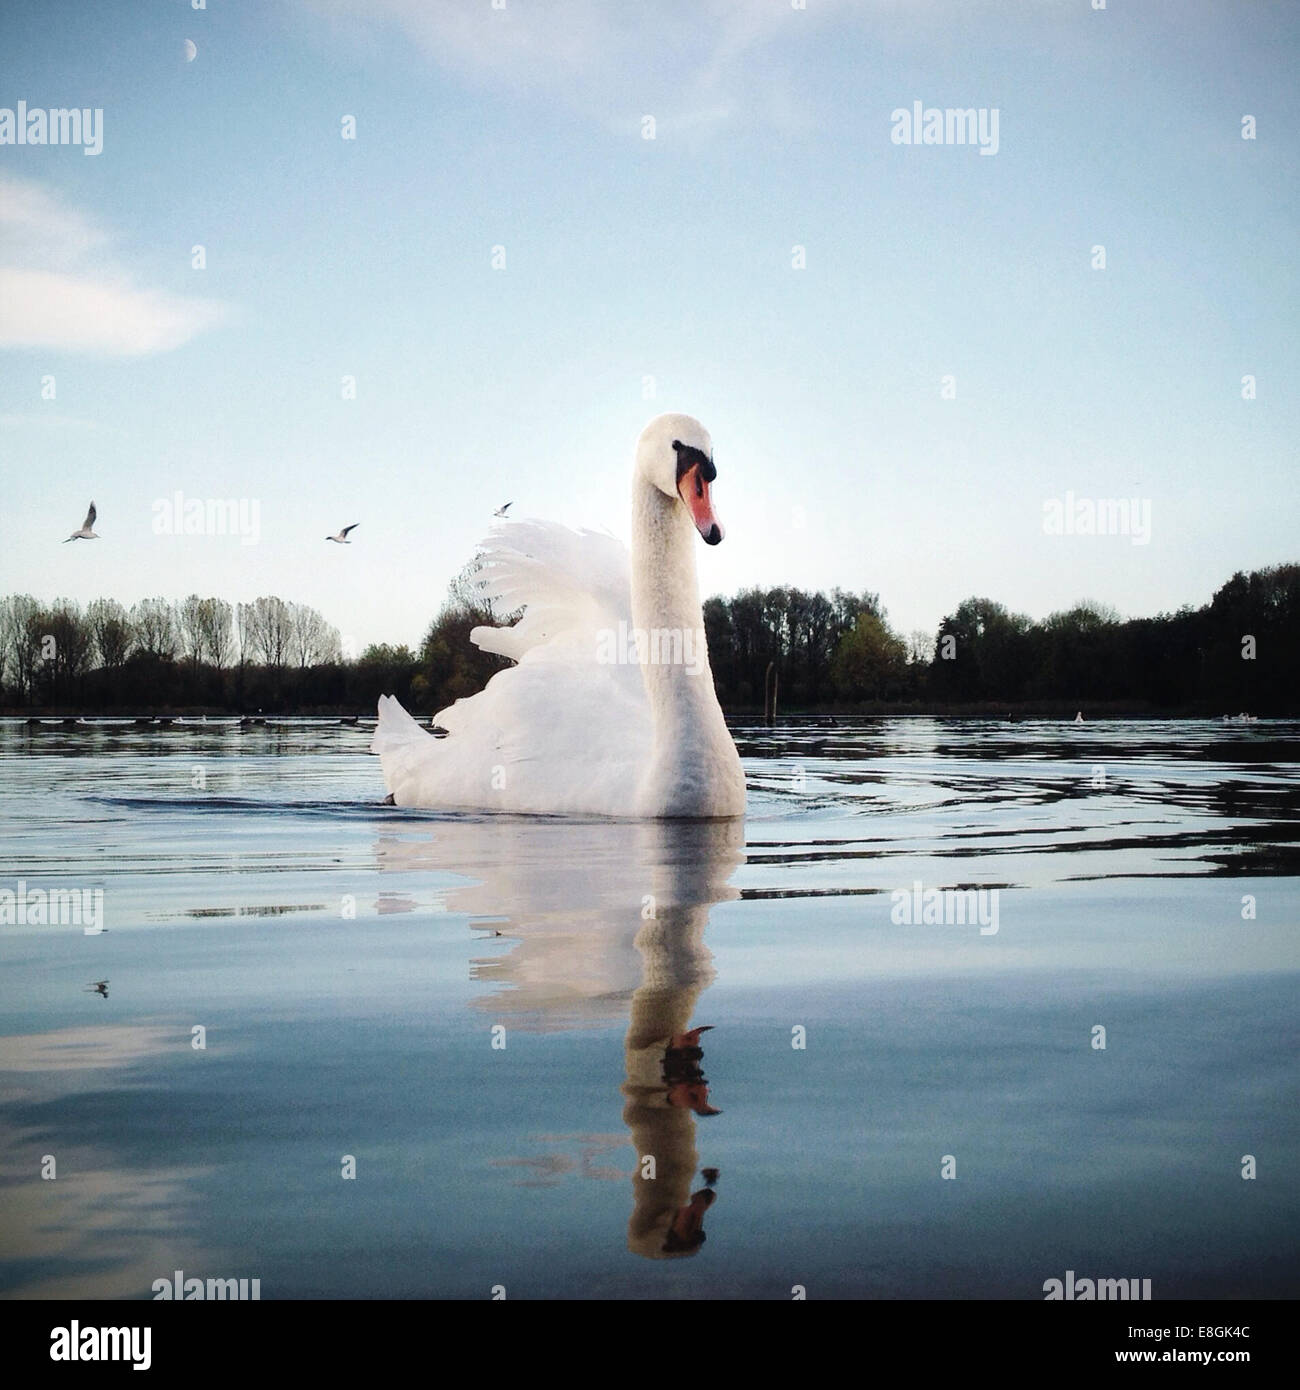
[
  {"x": 571, "y": 585},
  {"x": 516, "y": 743}
]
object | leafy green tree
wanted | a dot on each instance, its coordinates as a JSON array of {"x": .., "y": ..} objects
[
  {"x": 870, "y": 661},
  {"x": 981, "y": 653}
]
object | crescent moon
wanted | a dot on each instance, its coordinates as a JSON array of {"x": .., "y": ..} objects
[{"x": 191, "y": 50}]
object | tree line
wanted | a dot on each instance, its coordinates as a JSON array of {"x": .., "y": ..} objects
[
  {"x": 271, "y": 656},
  {"x": 1238, "y": 653},
  {"x": 828, "y": 652},
  {"x": 160, "y": 651}
]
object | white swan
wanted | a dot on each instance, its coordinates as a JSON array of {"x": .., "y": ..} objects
[{"x": 611, "y": 708}]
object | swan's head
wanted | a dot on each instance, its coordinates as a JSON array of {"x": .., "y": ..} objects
[{"x": 675, "y": 454}]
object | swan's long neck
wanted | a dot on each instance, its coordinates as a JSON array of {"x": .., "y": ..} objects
[
  {"x": 689, "y": 730},
  {"x": 665, "y": 593}
]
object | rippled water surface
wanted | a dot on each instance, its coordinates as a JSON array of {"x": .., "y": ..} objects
[{"x": 493, "y": 1020}]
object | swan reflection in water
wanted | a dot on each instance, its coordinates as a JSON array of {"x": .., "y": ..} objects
[{"x": 607, "y": 921}]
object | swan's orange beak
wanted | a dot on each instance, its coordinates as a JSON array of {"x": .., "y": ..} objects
[{"x": 694, "y": 491}]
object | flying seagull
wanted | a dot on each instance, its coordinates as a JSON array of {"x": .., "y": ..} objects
[
  {"x": 342, "y": 537},
  {"x": 501, "y": 511},
  {"x": 85, "y": 534}
]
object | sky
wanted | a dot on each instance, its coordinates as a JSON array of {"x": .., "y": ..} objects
[{"x": 893, "y": 407}]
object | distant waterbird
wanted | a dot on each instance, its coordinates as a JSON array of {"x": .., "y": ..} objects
[
  {"x": 342, "y": 537},
  {"x": 503, "y": 509},
  {"x": 85, "y": 534}
]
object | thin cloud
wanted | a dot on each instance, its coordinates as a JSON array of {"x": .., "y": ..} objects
[
  {"x": 694, "y": 64},
  {"x": 60, "y": 290},
  {"x": 57, "y": 422},
  {"x": 33, "y": 224}
]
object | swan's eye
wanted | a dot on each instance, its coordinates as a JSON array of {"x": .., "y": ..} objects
[{"x": 688, "y": 457}]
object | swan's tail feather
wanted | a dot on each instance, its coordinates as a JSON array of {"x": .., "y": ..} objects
[{"x": 396, "y": 728}]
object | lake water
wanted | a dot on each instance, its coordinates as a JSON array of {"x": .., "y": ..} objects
[{"x": 493, "y": 1018}]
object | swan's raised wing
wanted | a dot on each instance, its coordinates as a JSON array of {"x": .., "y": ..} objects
[
  {"x": 561, "y": 732},
  {"x": 571, "y": 585}
]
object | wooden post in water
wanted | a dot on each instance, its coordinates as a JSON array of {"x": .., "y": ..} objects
[{"x": 769, "y": 694}]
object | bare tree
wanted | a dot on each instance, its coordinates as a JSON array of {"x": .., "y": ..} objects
[
  {"x": 153, "y": 623},
  {"x": 58, "y": 647},
  {"x": 110, "y": 629},
  {"x": 73, "y": 643},
  {"x": 244, "y": 633},
  {"x": 7, "y": 641},
  {"x": 271, "y": 631},
  {"x": 33, "y": 648},
  {"x": 17, "y": 657},
  {"x": 189, "y": 619},
  {"x": 314, "y": 640},
  {"x": 215, "y": 621}
]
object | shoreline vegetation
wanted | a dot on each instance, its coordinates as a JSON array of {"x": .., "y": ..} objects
[
  {"x": 197, "y": 718},
  {"x": 833, "y": 656}
]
